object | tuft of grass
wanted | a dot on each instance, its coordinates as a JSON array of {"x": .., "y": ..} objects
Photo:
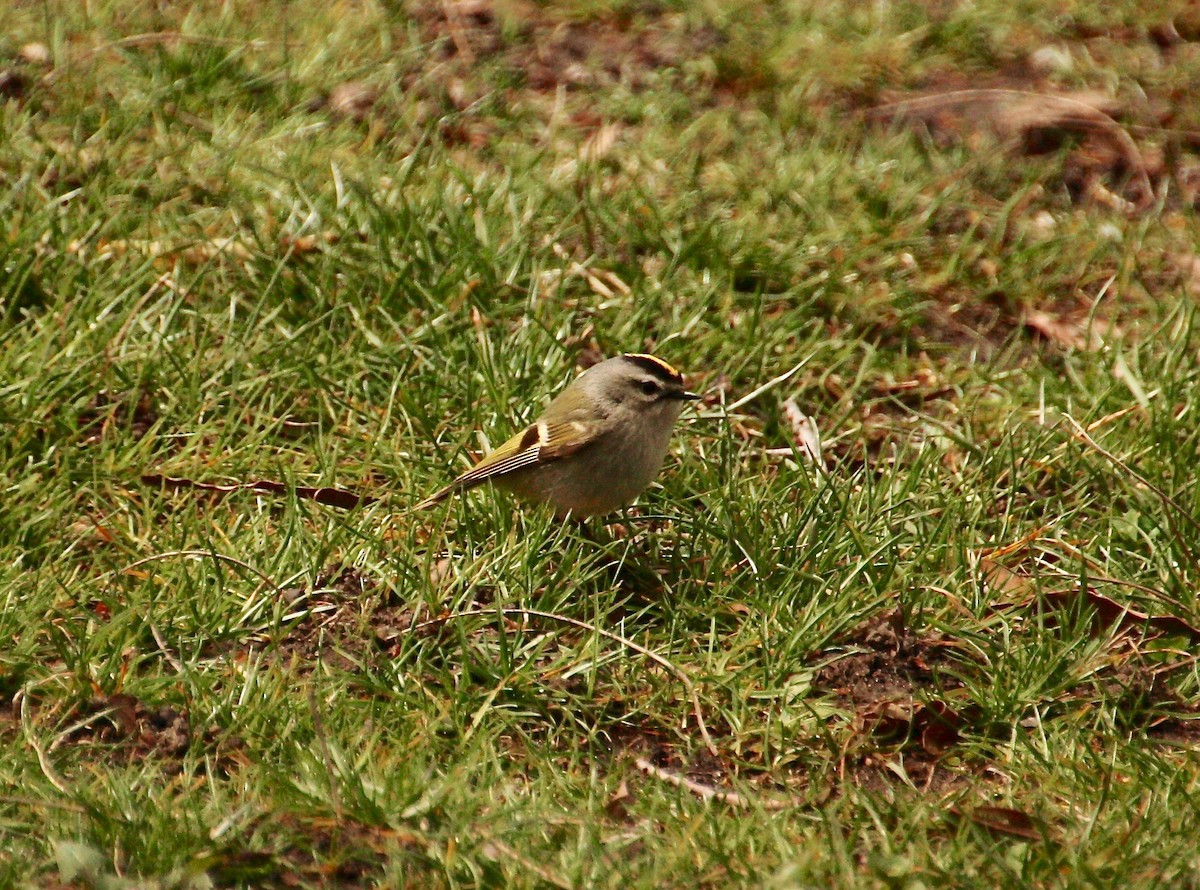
[{"x": 214, "y": 269}]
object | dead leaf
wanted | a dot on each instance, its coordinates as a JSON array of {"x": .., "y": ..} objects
[
  {"x": 1189, "y": 267},
  {"x": 1106, "y": 197},
  {"x": 602, "y": 282},
  {"x": 1109, "y": 612},
  {"x": 352, "y": 100},
  {"x": 441, "y": 573},
  {"x": 34, "y": 54},
  {"x": 1068, "y": 334},
  {"x": 1006, "y": 820},
  {"x": 886, "y": 719},
  {"x": 1072, "y": 110},
  {"x": 617, "y": 805},
  {"x": 941, "y": 725},
  {"x": 804, "y": 432},
  {"x": 465, "y": 131},
  {"x": 1042, "y": 225},
  {"x": 83, "y": 864},
  {"x": 124, "y": 712},
  {"x": 1004, "y": 580},
  {"x": 601, "y": 144},
  {"x": 1051, "y": 59},
  {"x": 88, "y": 531},
  {"x": 302, "y": 244},
  {"x": 13, "y": 84},
  {"x": 936, "y": 725},
  {"x": 1001, "y": 579},
  {"x": 1037, "y": 121}
]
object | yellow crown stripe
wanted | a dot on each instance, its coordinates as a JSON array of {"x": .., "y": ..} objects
[{"x": 670, "y": 370}]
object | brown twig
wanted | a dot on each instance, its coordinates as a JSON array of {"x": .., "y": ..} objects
[
  {"x": 163, "y": 648},
  {"x": 39, "y": 750},
  {"x": 707, "y": 792},
  {"x": 331, "y": 497}
]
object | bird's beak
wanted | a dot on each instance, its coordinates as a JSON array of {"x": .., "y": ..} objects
[{"x": 686, "y": 396}]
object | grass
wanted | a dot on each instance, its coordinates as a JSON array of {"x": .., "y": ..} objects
[{"x": 212, "y": 274}]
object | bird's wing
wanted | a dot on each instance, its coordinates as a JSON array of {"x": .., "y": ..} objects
[{"x": 538, "y": 443}]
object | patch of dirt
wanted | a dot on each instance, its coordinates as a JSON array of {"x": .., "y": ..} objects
[
  {"x": 905, "y": 711},
  {"x": 10, "y": 724},
  {"x": 976, "y": 323},
  {"x": 131, "y": 730},
  {"x": 478, "y": 52},
  {"x": 882, "y": 772},
  {"x": 1134, "y": 683},
  {"x": 338, "y": 852},
  {"x": 315, "y": 851},
  {"x": 21, "y": 72},
  {"x": 884, "y": 432},
  {"x": 643, "y": 738},
  {"x": 974, "y": 316},
  {"x": 344, "y": 614},
  {"x": 135, "y": 412},
  {"x": 884, "y": 662},
  {"x": 1140, "y": 694},
  {"x": 905, "y": 716},
  {"x": 551, "y": 51},
  {"x": 139, "y": 731},
  {"x": 1182, "y": 27},
  {"x": 352, "y": 100},
  {"x": 348, "y": 615},
  {"x": 1182, "y": 731},
  {"x": 883, "y": 410},
  {"x": 881, "y": 679}
]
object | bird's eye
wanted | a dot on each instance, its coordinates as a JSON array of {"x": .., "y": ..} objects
[{"x": 649, "y": 387}]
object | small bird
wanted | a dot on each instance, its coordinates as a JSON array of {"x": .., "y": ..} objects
[{"x": 597, "y": 445}]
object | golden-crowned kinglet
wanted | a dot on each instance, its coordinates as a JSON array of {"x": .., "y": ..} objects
[{"x": 597, "y": 445}]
